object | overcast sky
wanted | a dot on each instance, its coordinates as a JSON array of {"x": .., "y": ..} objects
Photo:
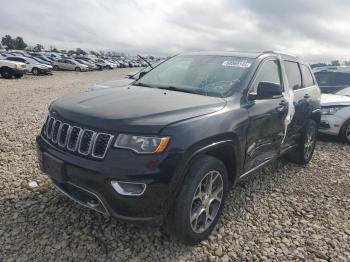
[{"x": 313, "y": 29}]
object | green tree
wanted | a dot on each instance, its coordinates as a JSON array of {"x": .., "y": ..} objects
[
  {"x": 335, "y": 63},
  {"x": 8, "y": 41},
  {"x": 53, "y": 49},
  {"x": 80, "y": 51},
  {"x": 38, "y": 48},
  {"x": 94, "y": 53},
  {"x": 19, "y": 43},
  {"x": 318, "y": 65}
]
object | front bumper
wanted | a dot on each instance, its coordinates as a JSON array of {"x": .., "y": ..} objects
[
  {"x": 88, "y": 182},
  {"x": 331, "y": 124}
]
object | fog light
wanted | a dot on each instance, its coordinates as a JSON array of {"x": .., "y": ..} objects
[{"x": 128, "y": 188}]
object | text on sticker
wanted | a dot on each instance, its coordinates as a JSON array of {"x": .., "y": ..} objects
[{"x": 237, "y": 63}]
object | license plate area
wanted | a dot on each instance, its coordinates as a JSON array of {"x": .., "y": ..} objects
[{"x": 54, "y": 168}]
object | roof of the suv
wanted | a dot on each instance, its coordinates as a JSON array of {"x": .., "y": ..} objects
[{"x": 242, "y": 54}]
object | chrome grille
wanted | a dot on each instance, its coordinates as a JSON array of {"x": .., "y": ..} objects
[{"x": 76, "y": 139}]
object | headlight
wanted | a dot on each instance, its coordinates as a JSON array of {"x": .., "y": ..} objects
[
  {"x": 329, "y": 110},
  {"x": 142, "y": 144}
]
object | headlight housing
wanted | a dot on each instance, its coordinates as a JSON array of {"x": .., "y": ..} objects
[
  {"x": 330, "y": 110},
  {"x": 142, "y": 144}
]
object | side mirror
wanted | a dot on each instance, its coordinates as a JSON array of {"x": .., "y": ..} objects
[{"x": 267, "y": 90}]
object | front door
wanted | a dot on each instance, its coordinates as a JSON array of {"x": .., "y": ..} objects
[{"x": 266, "y": 118}]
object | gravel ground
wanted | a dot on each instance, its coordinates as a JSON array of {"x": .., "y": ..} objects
[{"x": 284, "y": 212}]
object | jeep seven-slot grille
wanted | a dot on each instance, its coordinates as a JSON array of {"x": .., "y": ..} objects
[{"x": 76, "y": 139}]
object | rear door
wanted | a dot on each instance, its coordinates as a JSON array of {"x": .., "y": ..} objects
[
  {"x": 266, "y": 118},
  {"x": 61, "y": 64},
  {"x": 294, "y": 81}
]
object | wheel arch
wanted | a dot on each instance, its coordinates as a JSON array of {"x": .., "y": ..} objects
[
  {"x": 225, "y": 147},
  {"x": 4, "y": 68},
  {"x": 316, "y": 116}
]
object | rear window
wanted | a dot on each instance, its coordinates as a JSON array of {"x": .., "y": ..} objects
[
  {"x": 293, "y": 74},
  {"x": 308, "y": 80},
  {"x": 333, "y": 78}
]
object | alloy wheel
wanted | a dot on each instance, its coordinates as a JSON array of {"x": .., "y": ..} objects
[
  {"x": 347, "y": 133},
  {"x": 310, "y": 142},
  {"x": 206, "y": 201}
]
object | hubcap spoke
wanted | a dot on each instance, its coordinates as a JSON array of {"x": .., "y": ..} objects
[
  {"x": 206, "y": 201},
  {"x": 309, "y": 143}
]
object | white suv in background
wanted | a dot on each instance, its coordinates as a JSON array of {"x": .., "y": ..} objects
[
  {"x": 8, "y": 69},
  {"x": 33, "y": 66},
  {"x": 336, "y": 114}
]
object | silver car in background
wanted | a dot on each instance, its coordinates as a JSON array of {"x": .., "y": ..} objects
[
  {"x": 335, "y": 110},
  {"x": 69, "y": 64}
]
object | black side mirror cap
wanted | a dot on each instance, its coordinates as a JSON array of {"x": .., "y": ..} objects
[{"x": 268, "y": 90}]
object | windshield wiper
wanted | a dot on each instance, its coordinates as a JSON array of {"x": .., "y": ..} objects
[
  {"x": 185, "y": 90},
  {"x": 142, "y": 84}
]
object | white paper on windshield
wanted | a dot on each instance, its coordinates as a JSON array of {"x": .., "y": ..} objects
[{"x": 237, "y": 63}]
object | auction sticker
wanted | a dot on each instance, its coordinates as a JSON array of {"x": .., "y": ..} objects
[{"x": 237, "y": 63}]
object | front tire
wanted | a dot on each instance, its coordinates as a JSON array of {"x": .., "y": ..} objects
[
  {"x": 35, "y": 71},
  {"x": 345, "y": 132},
  {"x": 303, "y": 153},
  {"x": 77, "y": 69},
  {"x": 56, "y": 68},
  {"x": 6, "y": 73},
  {"x": 200, "y": 201}
]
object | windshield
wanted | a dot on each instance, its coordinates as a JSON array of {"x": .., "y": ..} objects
[
  {"x": 39, "y": 60},
  {"x": 200, "y": 74},
  {"x": 31, "y": 60}
]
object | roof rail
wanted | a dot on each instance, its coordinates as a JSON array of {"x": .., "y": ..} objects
[{"x": 279, "y": 52}]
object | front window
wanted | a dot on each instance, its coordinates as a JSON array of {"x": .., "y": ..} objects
[
  {"x": 268, "y": 72},
  {"x": 200, "y": 74}
]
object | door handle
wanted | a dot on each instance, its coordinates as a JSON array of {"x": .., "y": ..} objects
[
  {"x": 307, "y": 96},
  {"x": 280, "y": 108},
  {"x": 283, "y": 103}
]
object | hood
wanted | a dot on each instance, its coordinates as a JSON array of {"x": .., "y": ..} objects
[
  {"x": 41, "y": 66},
  {"x": 133, "y": 109},
  {"x": 334, "y": 100},
  {"x": 113, "y": 84}
]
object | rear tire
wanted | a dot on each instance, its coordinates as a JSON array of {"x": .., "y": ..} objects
[
  {"x": 199, "y": 204},
  {"x": 345, "y": 131},
  {"x": 6, "y": 73},
  {"x": 302, "y": 154},
  {"x": 55, "y": 67}
]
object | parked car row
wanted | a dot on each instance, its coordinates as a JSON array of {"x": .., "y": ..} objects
[{"x": 38, "y": 63}]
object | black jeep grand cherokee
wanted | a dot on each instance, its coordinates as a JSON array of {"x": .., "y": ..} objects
[{"x": 169, "y": 146}]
